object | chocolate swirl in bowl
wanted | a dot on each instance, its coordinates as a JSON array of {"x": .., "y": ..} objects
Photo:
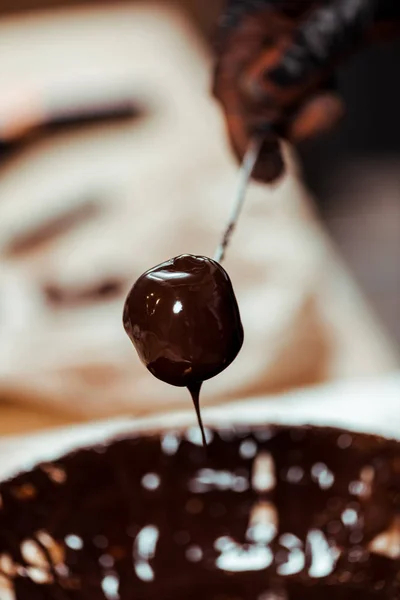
[{"x": 280, "y": 513}]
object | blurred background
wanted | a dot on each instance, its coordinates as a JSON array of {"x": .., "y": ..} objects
[
  {"x": 352, "y": 172},
  {"x": 113, "y": 157}
]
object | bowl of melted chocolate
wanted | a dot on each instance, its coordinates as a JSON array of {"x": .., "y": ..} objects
[{"x": 263, "y": 512}]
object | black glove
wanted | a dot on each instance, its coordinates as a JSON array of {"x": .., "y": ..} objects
[{"x": 276, "y": 62}]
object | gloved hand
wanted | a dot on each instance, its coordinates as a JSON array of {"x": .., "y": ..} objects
[{"x": 275, "y": 65}]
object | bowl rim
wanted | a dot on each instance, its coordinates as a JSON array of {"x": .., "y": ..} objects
[{"x": 370, "y": 408}]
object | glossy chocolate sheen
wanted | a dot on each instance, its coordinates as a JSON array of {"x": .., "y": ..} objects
[
  {"x": 184, "y": 321},
  {"x": 157, "y": 518}
]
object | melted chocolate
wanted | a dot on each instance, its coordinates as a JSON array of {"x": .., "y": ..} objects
[
  {"x": 194, "y": 390},
  {"x": 184, "y": 321},
  {"x": 268, "y": 514}
]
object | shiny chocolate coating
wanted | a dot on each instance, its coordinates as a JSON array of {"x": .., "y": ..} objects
[{"x": 184, "y": 321}]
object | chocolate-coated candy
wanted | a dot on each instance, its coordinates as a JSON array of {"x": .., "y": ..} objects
[{"x": 184, "y": 321}]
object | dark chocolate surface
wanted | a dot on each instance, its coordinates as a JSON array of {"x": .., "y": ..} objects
[
  {"x": 272, "y": 514},
  {"x": 183, "y": 319}
]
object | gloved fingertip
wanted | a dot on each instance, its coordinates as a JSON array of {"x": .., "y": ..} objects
[
  {"x": 270, "y": 165},
  {"x": 318, "y": 115}
]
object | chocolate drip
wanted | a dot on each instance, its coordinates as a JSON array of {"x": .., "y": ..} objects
[
  {"x": 194, "y": 390},
  {"x": 184, "y": 321}
]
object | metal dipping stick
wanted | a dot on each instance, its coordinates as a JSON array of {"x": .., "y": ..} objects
[{"x": 248, "y": 164}]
